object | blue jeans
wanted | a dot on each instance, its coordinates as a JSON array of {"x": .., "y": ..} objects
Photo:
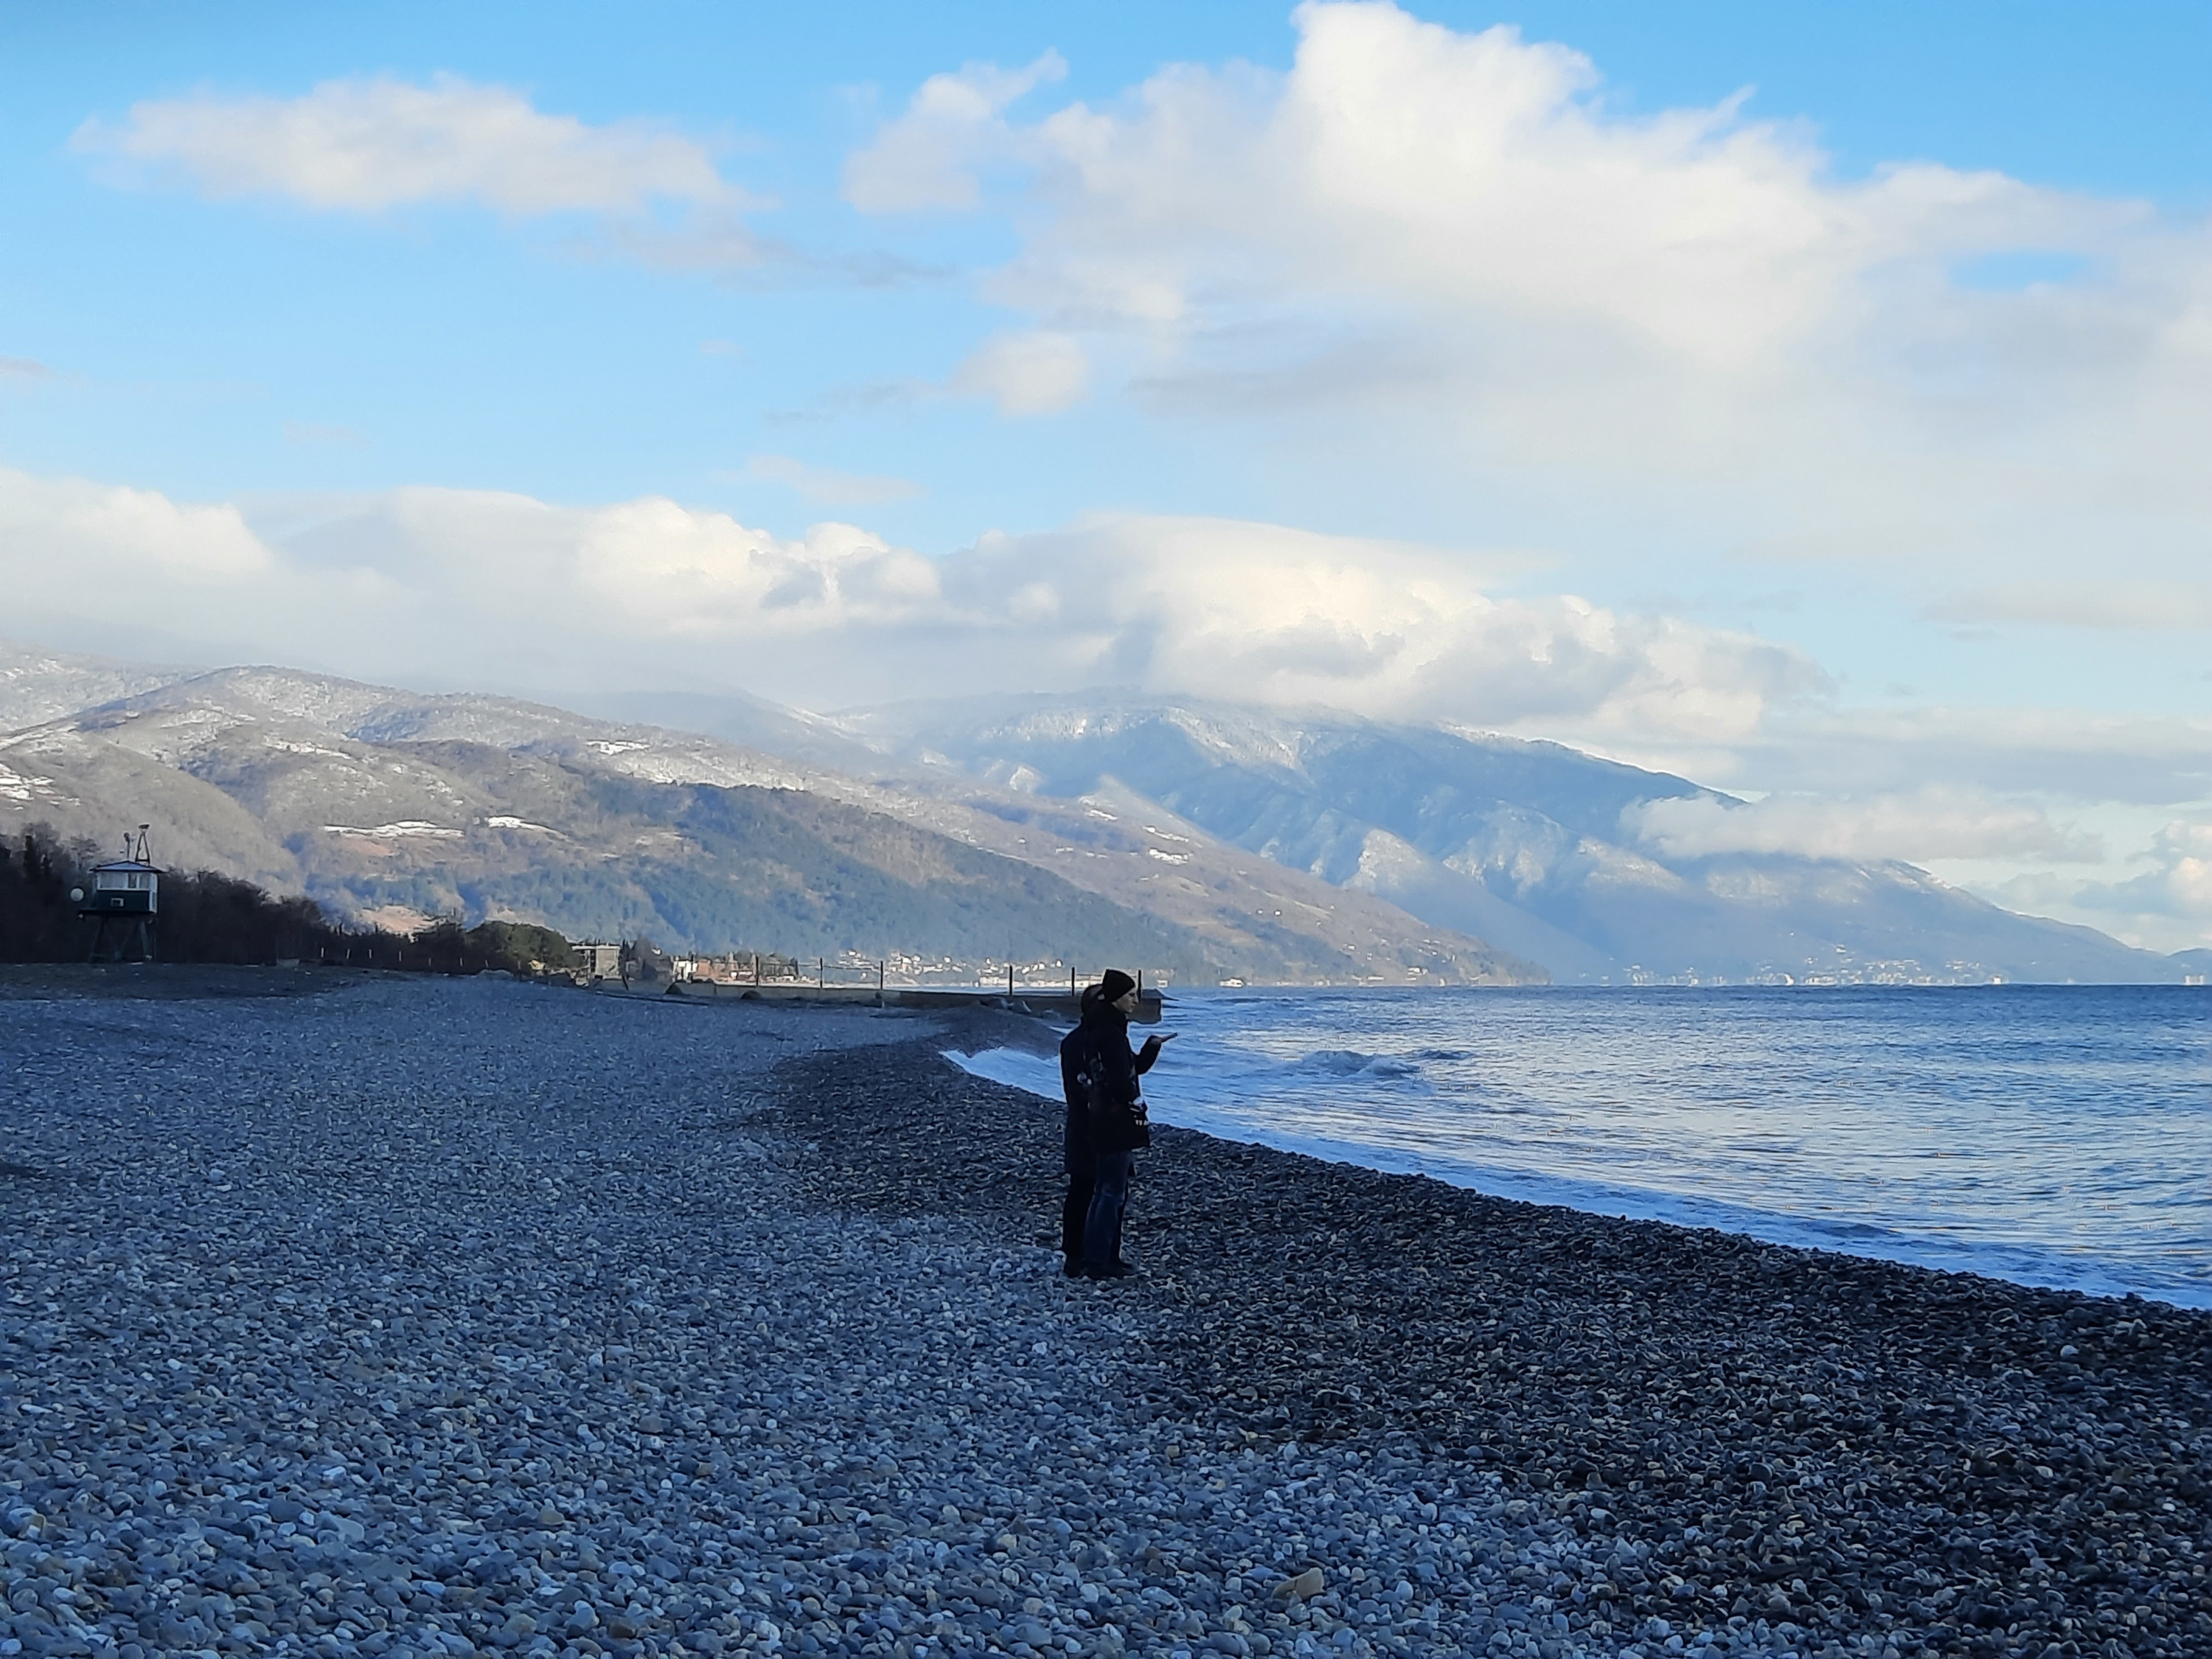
[{"x": 1110, "y": 1198}]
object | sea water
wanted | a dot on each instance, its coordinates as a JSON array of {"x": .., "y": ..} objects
[{"x": 2050, "y": 1135}]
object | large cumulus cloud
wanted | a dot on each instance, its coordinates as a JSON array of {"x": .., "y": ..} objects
[{"x": 1450, "y": 251}]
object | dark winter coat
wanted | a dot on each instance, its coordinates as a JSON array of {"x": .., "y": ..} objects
[{"x": 1105, "y": 1106}]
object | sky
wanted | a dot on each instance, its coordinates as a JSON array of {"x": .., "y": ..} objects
[{"x": 1810, "y": 400}]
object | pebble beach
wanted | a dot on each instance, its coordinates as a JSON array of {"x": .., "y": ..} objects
[{"x": 389, "y": 1316}]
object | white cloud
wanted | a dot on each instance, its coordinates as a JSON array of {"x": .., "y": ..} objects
[
  {"x": 955, "y": 123},
  {"x": 366, "y": 145},
  {"x": 1038, "y": 373},
  {"x": 2162, "y": 901},
  {"x": 2139, "y": 761},
  {"x": 1476, "y": 177},
  {"x": 826, "y": 485},
  {"x": 666, "y": 570},
  {"x": 1447, "y": 247},
  {"x": 2189, "y": 876},
  {"x": 23, "y": 368},
  {"x": 649, "y": 589},
  {"x": 371, "y": 145},
  {"x": 2177, "y": 883},
  {"x": 63, "y": 537},
  {"x": 2119, "y": 606},
  {"x": 1931, "y": 823}
]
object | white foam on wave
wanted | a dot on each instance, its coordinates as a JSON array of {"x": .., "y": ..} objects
[
  {"x": 1354, "y": 1062},
  {"x": 1039, "y": 1074}
]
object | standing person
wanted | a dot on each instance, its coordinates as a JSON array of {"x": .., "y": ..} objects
[
  {"x": 1106, "y": 1126},
  {"x": 1075, "y": 1138}
]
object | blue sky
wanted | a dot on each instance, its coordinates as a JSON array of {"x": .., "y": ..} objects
[{"x": 1797, "y": 397}]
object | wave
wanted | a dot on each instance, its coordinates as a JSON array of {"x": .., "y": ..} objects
[
  {"x": 1352, "y": 1062},
  {"x": 1295, "y": 1106}
]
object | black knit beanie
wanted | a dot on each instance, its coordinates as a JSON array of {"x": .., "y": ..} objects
[{"x": 1114, "y": 986}]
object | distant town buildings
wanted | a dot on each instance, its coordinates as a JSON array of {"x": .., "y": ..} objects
[
  {"x": 597, "y": 959},
  {"x": 746, "y": 968}
]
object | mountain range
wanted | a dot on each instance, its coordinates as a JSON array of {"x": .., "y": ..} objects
[
  {"x": 1210, "y": 840},
  {"x": 393, "y": 807},
  {"x": 1532, "y": 846}
]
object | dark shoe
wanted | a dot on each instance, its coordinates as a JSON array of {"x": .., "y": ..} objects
[
  {"x": 1111, "y": 1270},
  {"x": 1072, "y": 1269}
]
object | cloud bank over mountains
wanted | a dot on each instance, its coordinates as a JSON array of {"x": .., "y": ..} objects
[
  {"x": 1210, "y": 607},
  {"x": 1935, "y": 823}
]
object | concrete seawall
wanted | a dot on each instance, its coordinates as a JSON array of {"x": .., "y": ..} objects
[{"x": 1048, "y": 1004}]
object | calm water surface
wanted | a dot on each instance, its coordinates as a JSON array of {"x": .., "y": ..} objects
[{"x": 2052, "y": 1135}]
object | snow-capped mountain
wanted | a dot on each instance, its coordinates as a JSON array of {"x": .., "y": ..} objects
[
  {"x": 391, "y": 805},
  {"x": 1533, "y": 846}
]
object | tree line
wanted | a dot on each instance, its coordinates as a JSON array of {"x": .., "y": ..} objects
[{"x": 208, "y": 917}]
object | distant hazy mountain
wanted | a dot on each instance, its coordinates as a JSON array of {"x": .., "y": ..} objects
[
  {"x": 386, "y": 803},
  {"x": 2194, "y": 962},
  {"x": 1524, "y": 844}
]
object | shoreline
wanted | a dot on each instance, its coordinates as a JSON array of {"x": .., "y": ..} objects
[
  {"x": 475, "y": 1318},
  {"x": 1866, "y": 1239}
]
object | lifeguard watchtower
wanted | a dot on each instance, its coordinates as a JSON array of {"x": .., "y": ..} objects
[{"x": 125, "y": 899}]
